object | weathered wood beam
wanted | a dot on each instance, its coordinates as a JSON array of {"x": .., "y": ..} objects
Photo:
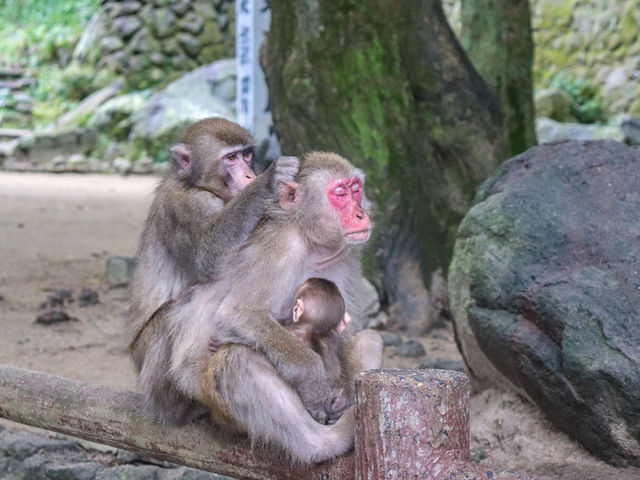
[{"x": 102, "y": 415}]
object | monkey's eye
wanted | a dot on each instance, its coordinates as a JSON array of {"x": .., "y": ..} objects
[
  {"x": 356, "y": 187},
  {"x": 232, "y": 157},
  {"x": 340, "y": 191},
  {"x": 247, "y": 153}
]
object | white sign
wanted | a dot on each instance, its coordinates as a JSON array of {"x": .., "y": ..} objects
[{"x": 252, "y": 99}]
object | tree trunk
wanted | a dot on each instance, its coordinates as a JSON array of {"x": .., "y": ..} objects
[
  {"x": 497, "y": 36},
  {"x": 386, "y": 84}
]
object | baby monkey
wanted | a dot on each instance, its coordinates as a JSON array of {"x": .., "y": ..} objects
[{"x": 318, "y": 317}]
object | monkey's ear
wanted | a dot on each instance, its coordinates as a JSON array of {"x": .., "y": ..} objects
[
  {"x": 298, "y": 310},
  {"x": 288, "y": 194},
  {"x": 343, "y": 323},
  {"x": 181, "y": 158}
]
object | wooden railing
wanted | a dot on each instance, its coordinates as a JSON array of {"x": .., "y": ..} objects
[{"x": 410, "y": 424}]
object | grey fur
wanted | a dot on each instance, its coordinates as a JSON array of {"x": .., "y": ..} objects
[{"x": 267, "y": 385}]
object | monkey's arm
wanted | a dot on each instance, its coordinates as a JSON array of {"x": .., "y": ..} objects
[
  {"x": 231, "y": 225},
  {"x": 298, "y": 365}
]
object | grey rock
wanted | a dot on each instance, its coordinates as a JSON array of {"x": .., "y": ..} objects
[
  {"x": 44, "y": 145},
  {"x": 120, "y": 269},
  {"x": 111, "y": 44},
  {"x": 390, "y": 338},
  {"x": 630, "y": 127},
  {"x": 204, "y": 10},
  {"x": 410, "y": 348},
  {"x": 189, "y": 99},
  {"x": 170, "y": 46},
  {"x": 189, "y": 43},
  {"x": 544, "y": 288},
  {"x": 163, "y": 22},
  {"x": 549, "y": 131},
  {"x": 122, "y": 165},
  {"x": 88, "y": 296},
  {"x": 54, "y": 315},
  {"x": 126, "y": 26},
  {"x": 180, "y": 7},
  {"x": 74, "y": 471},
  {"x": 128, "y": 472},
  {"x": 97, "y": 29},
  {"x": 158, "y": 58},
  {"x": 130, "y": 7},
  {"x": 555, "y": 104},
  {"x": 442, "y": 364},
  {"x": 181, "y": 61},
  {"x": 143, "y": 42},
  {"x": 113, "y": 150},
  {"x": 115, "y": 115},
  {"x": 191, "y": 23}
]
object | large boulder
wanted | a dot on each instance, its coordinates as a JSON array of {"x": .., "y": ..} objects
[
  {"x": 545, "y": 289},
  {"x": 201, "y": 93}
]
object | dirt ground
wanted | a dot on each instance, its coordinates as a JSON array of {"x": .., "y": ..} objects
[{"x": 57, "y": 231}]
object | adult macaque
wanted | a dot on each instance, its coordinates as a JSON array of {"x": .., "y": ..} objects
[
  {"x": 268, "y": 382},
  {"x": 206, "y": 204}
]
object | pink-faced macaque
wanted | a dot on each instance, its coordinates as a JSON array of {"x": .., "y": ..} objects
[{"x": 263, "y": 381}]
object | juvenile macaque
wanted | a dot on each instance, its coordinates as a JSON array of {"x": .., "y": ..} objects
[
  {"x": 205, "y": 205},
  {"x": 317, "y": 318},
  {"x": 268, "y": 384}
]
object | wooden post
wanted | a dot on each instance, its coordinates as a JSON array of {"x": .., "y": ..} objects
[{"x": 414, "y": 424}]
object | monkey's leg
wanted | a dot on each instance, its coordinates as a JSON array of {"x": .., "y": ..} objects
[
  {"x": 151, "y": 354},
  {"x": 362, "y": 351},
  {"x": 241, "y": 386}
]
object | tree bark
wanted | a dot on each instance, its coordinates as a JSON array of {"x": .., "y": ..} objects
[
  {"x": 497, "y": 37},
  {"x": 387, "y": 85}
]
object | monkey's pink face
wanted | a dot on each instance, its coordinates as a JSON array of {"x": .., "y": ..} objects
[
  {"x": 345, "y": 195},
  {"x": 235, "y": 166}
]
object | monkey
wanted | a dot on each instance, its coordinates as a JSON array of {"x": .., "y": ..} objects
[
  {"x": 317, "y": 318},
  {"x": 207, "y": 203},
  {"x": 268, "y": 385}
]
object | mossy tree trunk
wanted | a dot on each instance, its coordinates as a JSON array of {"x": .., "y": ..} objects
[
  {"x": 387, "y": 85},
  {"x": 497, "y": 37}
]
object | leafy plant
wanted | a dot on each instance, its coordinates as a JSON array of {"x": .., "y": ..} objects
[{"x": 586, "y": 101}]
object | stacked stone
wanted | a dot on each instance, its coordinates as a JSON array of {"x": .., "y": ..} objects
[
  {"x": 595, "y": 39},
  {"x": 154, "y": 37}
]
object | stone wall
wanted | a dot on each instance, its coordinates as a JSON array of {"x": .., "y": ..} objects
[
  {"x": 153, "y": 41},
  {"x": 595, "y": 39}
]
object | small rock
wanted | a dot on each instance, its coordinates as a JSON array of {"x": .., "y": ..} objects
[
  {"x": 442, "y": 364},
  {"x": 88, "y": 296},
  {"x": 630, "y": 126},
  {"x": 411, "y": 348},
  {"x": 77, "y": 471},
  {"x": 112, "y": 151},
  {"x": 122, "y": 165},
  {"x": 120, "y": 269},
  {"x": 555, "y": 104},
  {"x": 1, "y": 298},
  {"x": 390, "y": 338},
  {"x": 54, "y": 316},
  {"x": 58, "y": 299}
]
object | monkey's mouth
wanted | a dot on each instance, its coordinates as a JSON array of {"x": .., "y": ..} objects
[{"x": 358, "y": 235}]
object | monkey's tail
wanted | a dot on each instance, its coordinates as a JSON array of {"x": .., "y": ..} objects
[{"x": 244, "y": 385}]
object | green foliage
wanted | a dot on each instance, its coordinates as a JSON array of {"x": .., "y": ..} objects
[
  {"x": 59, "y": 90},
  {"x": 34, "y": 32},
  {"x": 587, "y": 105}
]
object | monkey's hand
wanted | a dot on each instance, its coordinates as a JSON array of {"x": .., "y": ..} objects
[
  {"x": 284, "y": 170},
  {"x": 340, "y": 403}
]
